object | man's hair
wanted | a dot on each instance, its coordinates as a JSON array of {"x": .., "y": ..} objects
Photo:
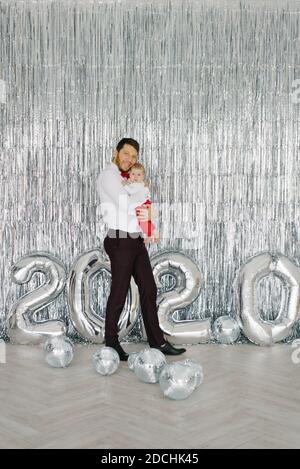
[
  {"x": 129, "y": 141},
  {"x": 138, "y": 166}
]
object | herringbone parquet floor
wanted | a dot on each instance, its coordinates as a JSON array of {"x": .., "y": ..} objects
[{"x": 249, "y": 399}]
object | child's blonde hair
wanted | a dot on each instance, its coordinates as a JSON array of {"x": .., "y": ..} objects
[{"x": 137, "y": 166}]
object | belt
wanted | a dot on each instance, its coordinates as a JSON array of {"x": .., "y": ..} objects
[{"x": 113, "y": 233}]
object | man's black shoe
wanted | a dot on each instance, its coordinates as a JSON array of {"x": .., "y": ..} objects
[
  {"x": 122, "y": 354},
  {"x": 168, "y": 349}
]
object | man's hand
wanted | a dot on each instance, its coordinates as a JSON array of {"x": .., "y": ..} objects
[
  {"x": 146, "y": 213},
  {"x": 143, "y": 214}
]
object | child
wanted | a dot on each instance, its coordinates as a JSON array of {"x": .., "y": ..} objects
[{"x": 138, "y": 188}]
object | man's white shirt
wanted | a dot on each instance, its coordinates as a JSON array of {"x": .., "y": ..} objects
[{"x": 116, "y": 205}]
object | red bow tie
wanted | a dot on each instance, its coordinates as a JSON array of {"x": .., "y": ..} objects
[{"x": 125, "y": 174}]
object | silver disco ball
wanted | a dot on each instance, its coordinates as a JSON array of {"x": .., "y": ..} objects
[
  {"x": 106, "y": 361},
  {"x": 197, "y": 370},
  {"x": 226, "y": 330},
  {"x": 131, "y": 360},
  {"x": 149, "y": 364},
  {"x": 58, "y": 351},
  {"x": 177, "y": 381}
]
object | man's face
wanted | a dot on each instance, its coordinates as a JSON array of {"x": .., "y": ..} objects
[{"x": 127, "y": 157}]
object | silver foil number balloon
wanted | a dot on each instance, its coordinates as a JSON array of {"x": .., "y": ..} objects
[
  {"x": 58, "y": 352},
  {"x": 226, "y": 330},
  {"x": 19, "y": 330},
  {"x": 82, "y": 313},
  {"x": 187, "y": 289},
  {"x": 149, "y": 364},
  {"x": 267, "y": 332},
  {"x": 177, "y": 381},
  {"x": 106, "y": 361}
]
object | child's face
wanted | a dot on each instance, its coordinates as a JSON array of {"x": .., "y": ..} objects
[{"x": 136, "y": 175}]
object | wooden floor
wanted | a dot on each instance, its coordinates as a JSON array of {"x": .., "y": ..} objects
[{"x": 250, "y": 398}]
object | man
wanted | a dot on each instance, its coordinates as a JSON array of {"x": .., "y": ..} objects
[{"x": 125, "y": 246}]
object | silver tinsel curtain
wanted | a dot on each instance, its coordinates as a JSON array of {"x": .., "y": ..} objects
[{"x": 208, "y": 88}]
